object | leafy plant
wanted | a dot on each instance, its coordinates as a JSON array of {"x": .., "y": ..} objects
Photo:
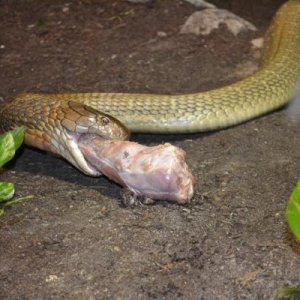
[
  {"x": 9, "y": 143},
  {"x": 293, "y": 211}
]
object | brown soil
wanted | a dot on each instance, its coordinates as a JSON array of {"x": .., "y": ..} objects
[{"x": 74, "y": 240}]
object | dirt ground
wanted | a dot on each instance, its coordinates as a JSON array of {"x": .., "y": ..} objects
[{"x": 74, "y": 239}]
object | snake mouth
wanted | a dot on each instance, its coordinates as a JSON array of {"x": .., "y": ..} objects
[
  {"x": 72, "y": 152},
  {"x": 87, "y": 140}
]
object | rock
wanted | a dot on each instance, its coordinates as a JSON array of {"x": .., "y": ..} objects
[
  {"x": 201, "y": 3},
  {"x": 161, "y": 34},
  {"x": 257, "y": 43},
  {"x": 205, "y": 21},
  {"x": 256, "y": 46}
]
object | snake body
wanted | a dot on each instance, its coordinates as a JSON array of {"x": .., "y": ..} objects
[{"x": 275, "y": 82}]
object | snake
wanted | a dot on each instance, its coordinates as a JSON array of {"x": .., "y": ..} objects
[{"x": 54, "y": 122}]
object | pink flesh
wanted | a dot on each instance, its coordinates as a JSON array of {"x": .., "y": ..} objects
[{"x": 158, "y": 172}]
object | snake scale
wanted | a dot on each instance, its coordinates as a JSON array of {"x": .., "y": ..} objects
[{"x": 54, "y": 120}]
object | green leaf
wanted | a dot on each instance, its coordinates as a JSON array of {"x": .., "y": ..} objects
[
  {"x": 9, "y": 143},
  {"x": 18, "y": 135},
  {"x": 287, "y": 293},
  {"x": 293, "y": 211},
  {"x": 7, "y": 148},
  {"x": 7, "y": 191}
]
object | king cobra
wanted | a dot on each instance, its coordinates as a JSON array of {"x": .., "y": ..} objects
[{"x": 54, "y": 122}]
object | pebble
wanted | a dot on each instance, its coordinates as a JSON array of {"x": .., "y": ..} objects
[
  {"x": 205, "y": 21},
  {"x": 161, "y": 34}
]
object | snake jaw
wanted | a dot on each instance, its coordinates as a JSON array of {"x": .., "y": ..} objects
[
  {"x": 81, "y": 120},
  {"x": 71, "y": 152}
]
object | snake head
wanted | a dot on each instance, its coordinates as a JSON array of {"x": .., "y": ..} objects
[
  {"x": 83, "y": 119},
  {"x": 71, "y": 121}
]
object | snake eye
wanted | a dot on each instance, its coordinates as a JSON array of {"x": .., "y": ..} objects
[{"x": 105, "y": 121}]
